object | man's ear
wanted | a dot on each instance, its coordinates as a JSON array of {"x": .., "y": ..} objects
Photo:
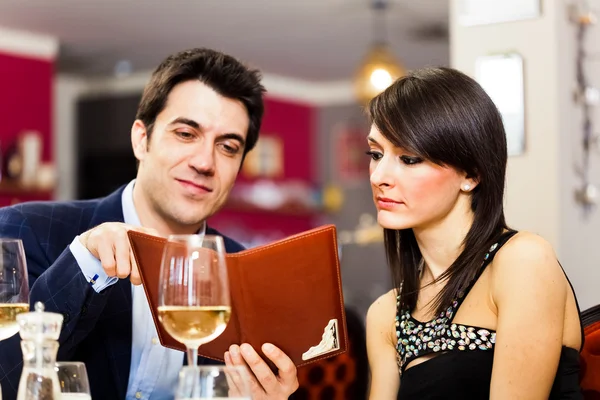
[{"x": 139, "y": 139}]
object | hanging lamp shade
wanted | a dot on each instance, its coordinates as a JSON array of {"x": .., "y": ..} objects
[{"x": 378, "y": 70}]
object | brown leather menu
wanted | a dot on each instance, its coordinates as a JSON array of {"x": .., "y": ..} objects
[{"x": 288, "y": 293}]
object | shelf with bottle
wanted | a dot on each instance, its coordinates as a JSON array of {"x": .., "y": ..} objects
[
  {"x": 23, "y": 171},
  {"x": 293, "y": 209},
  {"x": 10, "y": 187},
  {"x": 293, "y": 198}
]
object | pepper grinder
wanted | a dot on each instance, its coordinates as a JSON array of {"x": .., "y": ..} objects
[{"x": 39, "y": 332}]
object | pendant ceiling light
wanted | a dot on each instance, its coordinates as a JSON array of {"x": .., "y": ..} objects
[{"x": 379, "y": 68}]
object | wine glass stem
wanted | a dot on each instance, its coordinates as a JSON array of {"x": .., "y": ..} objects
[{"x": 192, "y": 354}]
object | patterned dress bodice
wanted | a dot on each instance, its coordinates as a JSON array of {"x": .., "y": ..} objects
[{"x": 416, "y": 339}]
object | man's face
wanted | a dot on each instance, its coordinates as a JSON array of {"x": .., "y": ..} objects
[{"x": 190, "y": 163}]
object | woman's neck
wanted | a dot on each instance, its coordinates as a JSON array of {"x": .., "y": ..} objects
[{"x": 441, "y": 242}]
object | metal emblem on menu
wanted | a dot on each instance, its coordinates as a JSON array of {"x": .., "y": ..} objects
[{"x": 329, "y": 342}]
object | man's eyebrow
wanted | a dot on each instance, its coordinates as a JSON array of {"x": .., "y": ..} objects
[{"x": 185, "y": 121}]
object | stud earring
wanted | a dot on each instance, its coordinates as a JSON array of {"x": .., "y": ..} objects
[{"x": 467, "y": 187}]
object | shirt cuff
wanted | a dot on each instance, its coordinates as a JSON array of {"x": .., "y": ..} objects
[{"x": 91, "y": 267}]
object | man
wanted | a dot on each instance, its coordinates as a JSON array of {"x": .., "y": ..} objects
[{"x": 198, "y": 117}]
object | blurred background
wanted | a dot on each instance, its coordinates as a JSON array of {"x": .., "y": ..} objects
[{"x": 72, "y": 73}]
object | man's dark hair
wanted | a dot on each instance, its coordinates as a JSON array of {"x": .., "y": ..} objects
[{"x": 221, "y": 72}]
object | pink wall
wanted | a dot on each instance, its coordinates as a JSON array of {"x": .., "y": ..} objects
[
  {"x": 26, "y": 101},
  {"x": 294, "y": 123},
  {"x": 25, "y": 104}
]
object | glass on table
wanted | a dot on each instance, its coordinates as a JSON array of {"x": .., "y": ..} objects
[
  {"x": 213, "y": 382},
  {"x": 14, "y": 287},
  {"x": 73, "y": 380}
]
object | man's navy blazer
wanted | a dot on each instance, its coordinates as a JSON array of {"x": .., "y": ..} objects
[{"x": 97, "y": 326}]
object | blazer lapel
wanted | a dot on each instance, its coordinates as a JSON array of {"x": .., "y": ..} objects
[{"x": 231, "y": 246}]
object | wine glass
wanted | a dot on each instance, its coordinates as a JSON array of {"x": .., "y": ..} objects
[
  {"x": 213, "y": 382},
  {"x": 14, "y": 287},
  {"x": 73, "y": 380},
  {"x": 194, "y": 305}
]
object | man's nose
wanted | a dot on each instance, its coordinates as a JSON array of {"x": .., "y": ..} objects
[{"x": 203, "y": 158}]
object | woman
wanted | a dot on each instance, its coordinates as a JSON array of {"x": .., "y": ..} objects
[{"x": 478, "y": 311}]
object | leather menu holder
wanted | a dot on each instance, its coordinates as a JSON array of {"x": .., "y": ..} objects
[{"x": 288, "y": 293}]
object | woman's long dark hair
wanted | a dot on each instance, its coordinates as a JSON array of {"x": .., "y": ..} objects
[{"x": 445, "y": 117}]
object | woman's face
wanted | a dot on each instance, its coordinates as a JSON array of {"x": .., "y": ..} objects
[{"x": 408, "y": 191}]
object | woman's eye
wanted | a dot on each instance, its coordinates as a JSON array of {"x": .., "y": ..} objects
[
  {"x": 375, "y": 155},
  {"x": 409, "y": 160}
]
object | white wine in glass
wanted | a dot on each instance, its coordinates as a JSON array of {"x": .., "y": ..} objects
[
  {"x": 14, "y": 287},
  {"x": 8, "y": 318},
  {"x": 194, "y": 305}
]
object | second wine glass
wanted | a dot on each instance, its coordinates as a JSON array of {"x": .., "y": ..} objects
[
  {"x": 194, "y": 305},
  {"x": 14, "y": 287}
]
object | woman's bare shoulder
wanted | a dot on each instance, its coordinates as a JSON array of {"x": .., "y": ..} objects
[
  {"x": 523, "y": 247},
  {"x": 527, "y": 259},
  {"x": 385, "y": 304},
  {"x": 381, "y": 315}
]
